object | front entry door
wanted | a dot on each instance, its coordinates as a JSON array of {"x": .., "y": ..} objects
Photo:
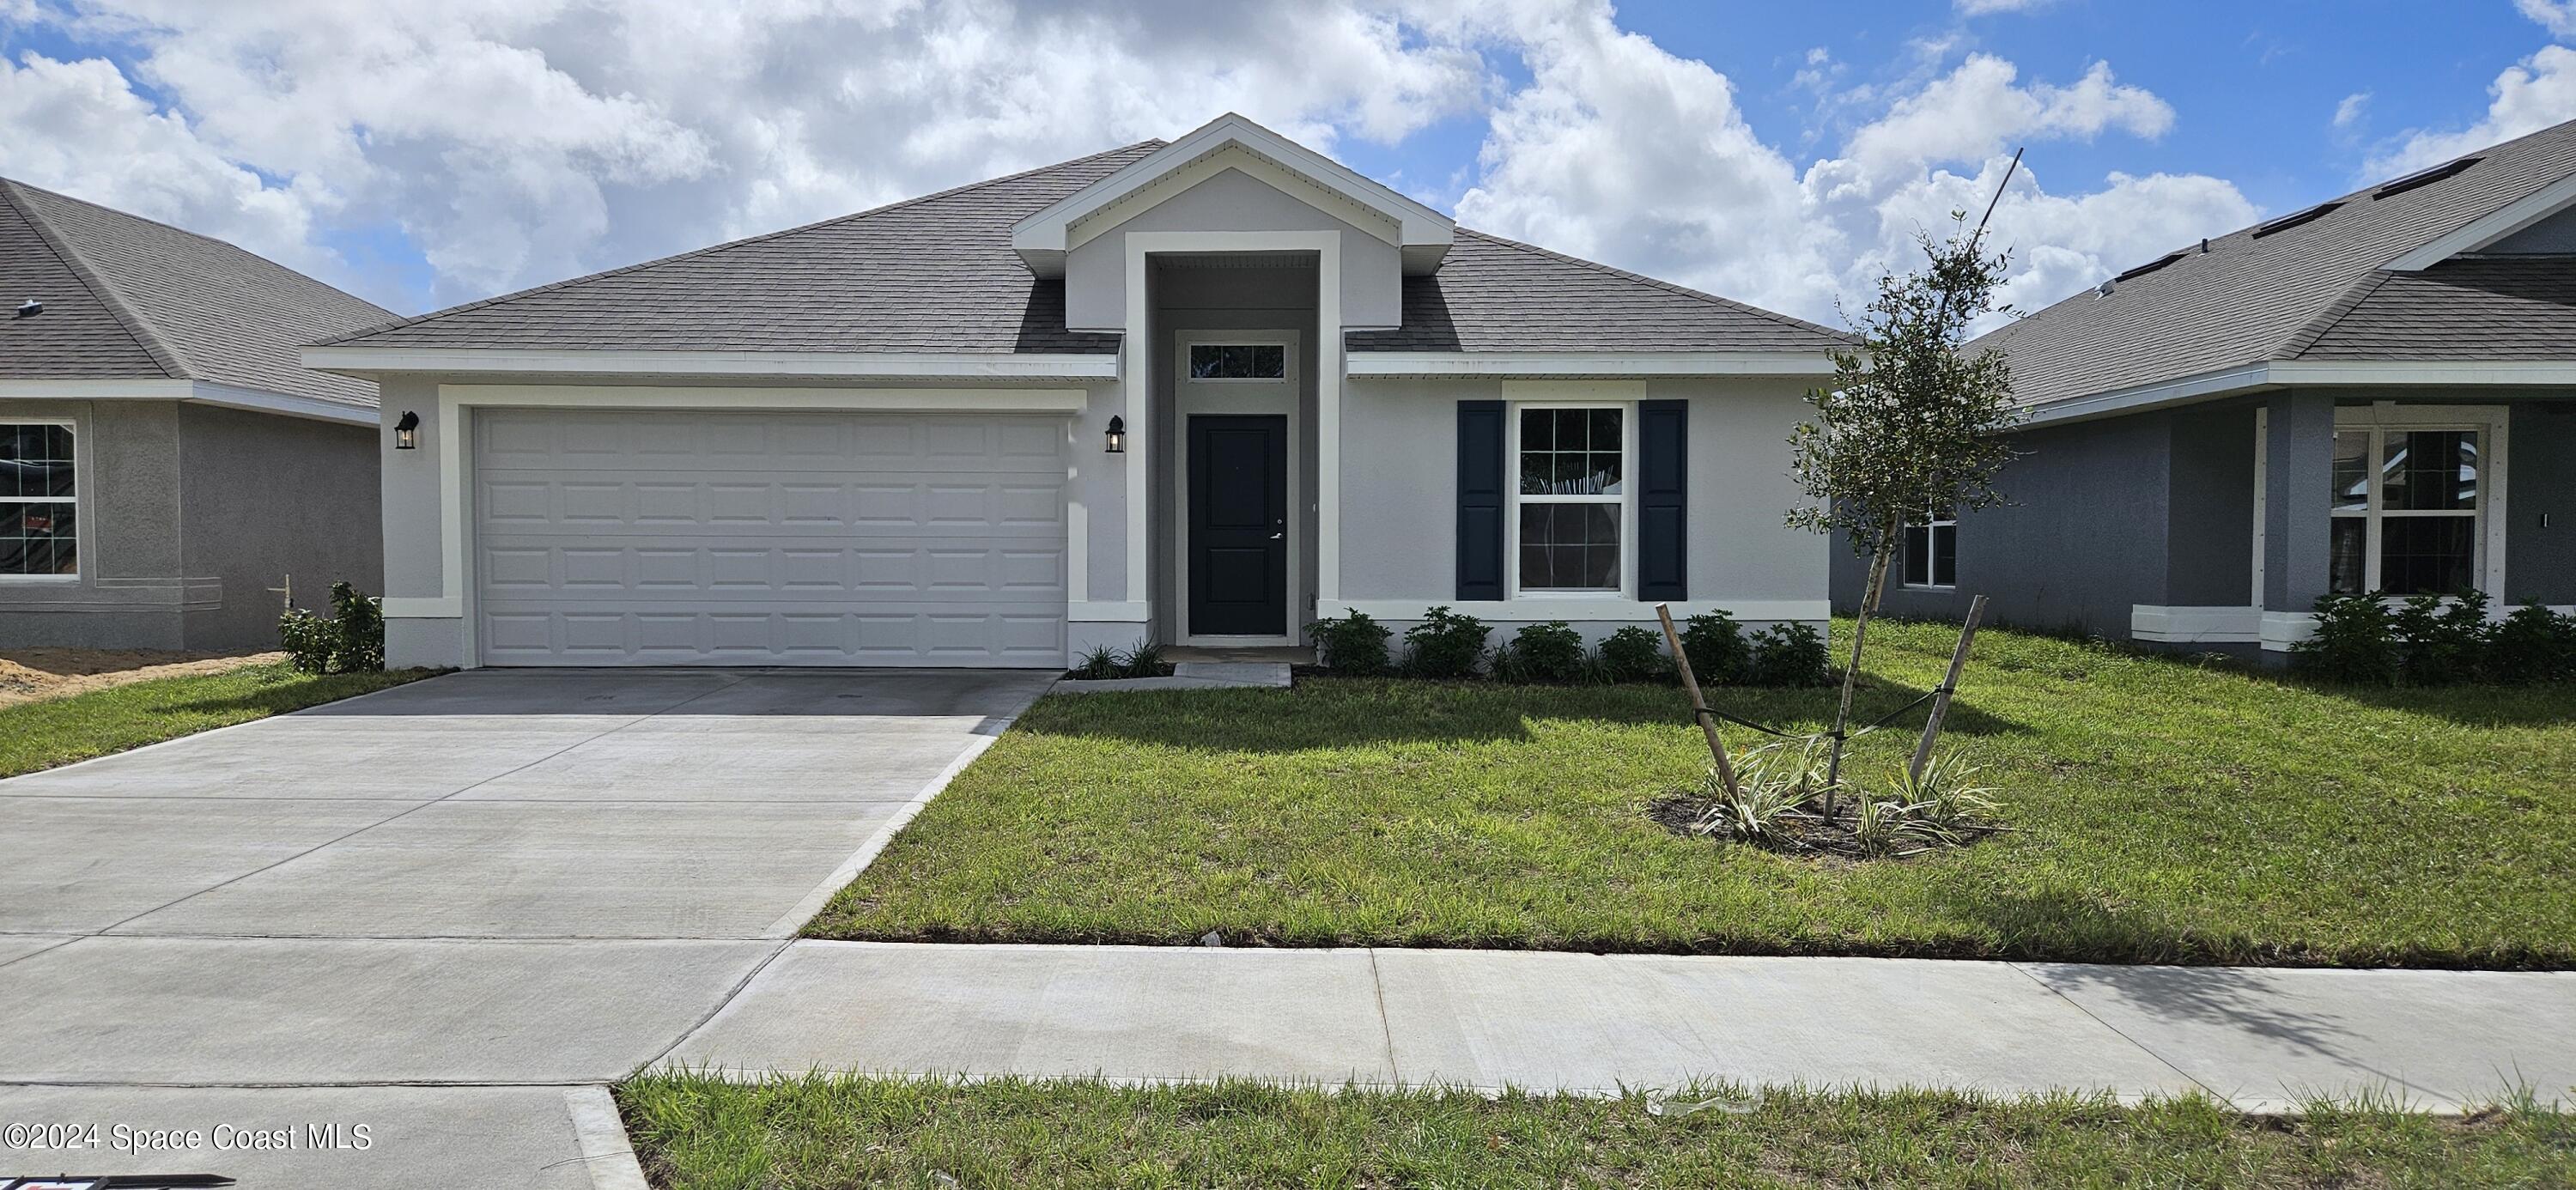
[{"x": 1238, "y": 543}]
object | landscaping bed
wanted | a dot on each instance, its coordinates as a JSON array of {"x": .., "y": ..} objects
[
  {"x": 2160, "y": 810},
  {"x": 58, "y": 731},
  {"x": 820, "y": 1131}
]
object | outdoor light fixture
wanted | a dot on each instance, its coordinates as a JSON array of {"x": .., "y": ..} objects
[
  {"x": 407, "y": 431},
  {"x": 1118, "y": 435}
]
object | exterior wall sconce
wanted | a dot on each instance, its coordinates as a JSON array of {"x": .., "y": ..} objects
[
  {"x": 1117, "y": 435},
  {"x": 407, "y": 431}
]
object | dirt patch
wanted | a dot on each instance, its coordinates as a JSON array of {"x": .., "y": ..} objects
[{"x": 31, "y": 675}]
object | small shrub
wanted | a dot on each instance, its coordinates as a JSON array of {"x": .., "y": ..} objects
[
  {"x": 352, "y": 640},
  {"x": 2534, "y": 644},
  {"x": 1947, "y": 803},
  {"x": 1788, "y": 654},
  {"x": 2442, "y": 641},
  {"x": 1353, "y": 644},
  {"x": 2355, "y": 642},
  {"x": 1144, "y": 659},
  {"x": 1633, "y": 654},
  {"x": 1100, "y": 664},
  {"x": 1772, "y": 784},
  {"x": 1714, "y": 642},
  {"x": 1550, "y": 652},
  {"x": 1444, "y": 645}
]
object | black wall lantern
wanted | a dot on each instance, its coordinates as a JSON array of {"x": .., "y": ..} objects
[
  {"x": 1118, "y": 435},
  {"x": 407, "y": 431}
]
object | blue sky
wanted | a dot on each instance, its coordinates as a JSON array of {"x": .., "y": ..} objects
[{"x": 423, "y": 155}]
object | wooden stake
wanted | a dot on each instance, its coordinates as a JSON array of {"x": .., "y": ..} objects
[
  {"x": 1699, "y": 706},
  {"x": 1949, "y": 686}
]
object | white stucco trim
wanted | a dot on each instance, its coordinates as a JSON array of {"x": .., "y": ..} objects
[
  {"x": 454, "y": 450},
  {"x": 1131, "y": 611},
  {"x": 1582, "y": 609},
  {"x": 2280, "y": 630},
  {"x": 200, "y": 392},
  {"x": 2504, "y": 221},
  {"x": 820, "y": 365},
  {"x": 1423, "y": 234},
  {"x": 2213, "y": 625},
  {"x": 422, "y": 607},
  {"x": 1541, "y": 364},
  {"x": 1136, "y": 350}
]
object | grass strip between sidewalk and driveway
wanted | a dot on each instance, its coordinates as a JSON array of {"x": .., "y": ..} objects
[
  {"x": 694, "y": 1132},
  {"x": 58, "y": 731},
  {"x": 2164, "y": 811}
]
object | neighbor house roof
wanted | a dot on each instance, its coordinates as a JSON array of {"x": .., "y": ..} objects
[
  {"x": 125, "y": 297},
  {"x": 2313, "y": 284},
  {"x": 938, "y": 274}
]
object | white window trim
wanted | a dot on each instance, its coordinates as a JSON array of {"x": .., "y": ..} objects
[
  {"x": 1626, "y": 499},
  {"x": 1932, "y": 525},
  {"x": 1274, "y": 396},
  {"x": 2491, "y": 423},
  {"x": 80, "y": 519}
]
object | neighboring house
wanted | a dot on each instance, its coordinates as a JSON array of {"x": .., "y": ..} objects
[
  {"x": 1203, "y": 392},
  {"x": 2342, "y": 399},
  {"x": 166, "y": 463}
]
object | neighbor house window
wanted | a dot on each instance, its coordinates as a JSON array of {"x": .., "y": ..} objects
[
  {"x": 1238, "y": 361},
  {"x": 1572, "y": 505},
  {"x": 39, "y": 512},
  {"x": 2407, "y": 508},
  {"x": 1932, "y": 550}
]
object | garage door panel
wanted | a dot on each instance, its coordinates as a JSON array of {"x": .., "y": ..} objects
[
  {"x": 523, "y": 503},
  {"x": 559, "y": 440},
  {"x": 989, "y": 635}
]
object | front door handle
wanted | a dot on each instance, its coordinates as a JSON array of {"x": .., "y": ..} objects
[{"x": 1277, "y": 536}]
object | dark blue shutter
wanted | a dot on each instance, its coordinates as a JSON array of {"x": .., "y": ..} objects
[
  {"x": 1663, "y": 465},
  {"x": 1480, "y": 500}
]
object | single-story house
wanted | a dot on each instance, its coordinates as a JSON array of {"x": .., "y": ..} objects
[
  {"x": 1202, "y": 392},
  {"x": 167, "y": 464},
  {"x": 2341, "y": 399}
]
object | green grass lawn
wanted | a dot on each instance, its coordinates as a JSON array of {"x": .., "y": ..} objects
[
  {"x": 820, "y": 1131},
  {"x": 41, "y": 735},
  {"x": 2165, "y": 812}
]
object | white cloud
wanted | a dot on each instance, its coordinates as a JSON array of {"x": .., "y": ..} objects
[
  {"x": 2557, "y": 16},
  {"x": 2530, "y": 95},
  {"x": 2352, "y": 109}
]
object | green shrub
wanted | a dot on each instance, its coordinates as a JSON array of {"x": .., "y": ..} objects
[
  {"x": 1353, "y": 644},
  {"x": 1715, "y": 645},
  {"x": 2533, "y": 644},
  {"x": 2445, "y": 641},
  {"x": 1788, "y": 654},
  {"x": 1099, "y": 664},
  {"x": 1551, "y": 652},
  {"x": 1444, "y": 645},
  {"x": 2355, "y": 641},
  {"x": 1144, "y": 659},
  {"x": 352, "y": 640},
  {"x": 1633, "y": 654}
]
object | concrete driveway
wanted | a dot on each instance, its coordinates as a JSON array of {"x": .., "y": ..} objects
[{"x": 504, "y": 887}]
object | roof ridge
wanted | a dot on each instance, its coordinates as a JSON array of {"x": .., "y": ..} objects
[
  {"x": 215, "y": 241},
  {"x": 134, "y": 322},
  {"x": 1659, "y": 283},
  {"x": 853, "y": 216},
  {"x": 2333, "y": 312}
]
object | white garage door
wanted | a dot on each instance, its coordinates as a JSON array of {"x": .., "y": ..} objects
[{"x": 621, "y": 537}]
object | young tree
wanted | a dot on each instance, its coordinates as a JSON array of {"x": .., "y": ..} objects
[{"x": 1910, "y": 424}]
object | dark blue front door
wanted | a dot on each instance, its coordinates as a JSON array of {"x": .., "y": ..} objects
[{"x": 1238, "y": 552}]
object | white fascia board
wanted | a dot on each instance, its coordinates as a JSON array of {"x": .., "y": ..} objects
[
  {"x": 800, "y": 365},
  {"x": 1364, "y": 364},
  {"x": 2427, "y": 373},
  {"x": 1042, "y": 238},
  {"x": 196, "y": 391},
  {"x": 282, "y": 404},
  {"x": 2221, "y": 383},
  {"x": 2504, "y": 221}
]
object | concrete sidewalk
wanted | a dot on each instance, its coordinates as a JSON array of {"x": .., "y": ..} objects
[{"x": 2261, "y": 1038}]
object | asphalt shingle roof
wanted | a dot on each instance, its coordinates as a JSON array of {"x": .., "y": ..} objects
[
  {"x": 2316, "y": 291},
  {"x": 937, "y": 274},
  {"x": 125, "y": 296}
]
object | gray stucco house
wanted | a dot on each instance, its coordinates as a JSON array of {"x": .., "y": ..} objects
[
  {"x": 2375, "y": 393},
  {"x": 166, "y": 462},
  {"x": 1203, "y": 391}
]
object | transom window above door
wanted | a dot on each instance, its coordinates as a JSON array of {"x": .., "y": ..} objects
[
  {"x": 1572, "y": 498},
  {"x": 2408, "y": 508},
  {"x": 1238, "y": 361}
]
